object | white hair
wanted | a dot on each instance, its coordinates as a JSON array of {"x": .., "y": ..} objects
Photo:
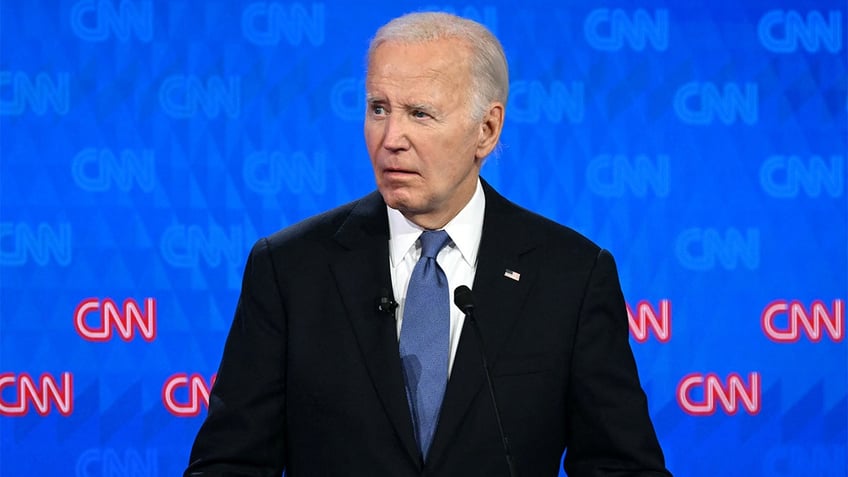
[{"x": 489, "y": 73}]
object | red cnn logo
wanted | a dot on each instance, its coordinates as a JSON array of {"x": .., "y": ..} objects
[
  {"x": 110, "y": 318},
  {"x": 798, "y": 318},
  {"x": 39, "y": 395},
  {"x": 198, "y": 393},
  {"x": 646, "y": 317},
  {"x": 716, "y": 392}
]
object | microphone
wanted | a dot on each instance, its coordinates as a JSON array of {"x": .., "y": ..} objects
[
  {"x": 386, "y": 303},
  {"x": 463, "y": 299}
]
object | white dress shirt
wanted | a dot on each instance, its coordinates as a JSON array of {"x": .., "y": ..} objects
[{"x": 458, "y": 258}]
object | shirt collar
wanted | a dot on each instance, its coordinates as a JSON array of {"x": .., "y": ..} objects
[{"x": 465, "y": 230}]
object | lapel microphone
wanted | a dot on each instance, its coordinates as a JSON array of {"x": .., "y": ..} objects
[
  {"x": 463, "y": 299},
  {"x": 386, "y": 303}
]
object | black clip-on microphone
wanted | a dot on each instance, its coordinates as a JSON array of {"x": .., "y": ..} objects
[
  {"x": 386, "y": 303},
  {"x": 463, "y": 299}
]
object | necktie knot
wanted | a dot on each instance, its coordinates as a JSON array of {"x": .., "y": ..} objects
[{"x": 432, "y": 241}]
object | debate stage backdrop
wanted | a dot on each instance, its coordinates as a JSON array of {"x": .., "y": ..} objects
[{"x": 147, "y": 144}]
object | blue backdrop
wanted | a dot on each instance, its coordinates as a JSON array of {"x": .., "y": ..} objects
[{"x": 147, "y": 144}]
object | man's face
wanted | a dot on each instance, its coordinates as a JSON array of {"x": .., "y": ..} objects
[{"x": 423, "y": 143}]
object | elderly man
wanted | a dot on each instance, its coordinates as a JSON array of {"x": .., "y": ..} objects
[{"x": 347, "y": 356}]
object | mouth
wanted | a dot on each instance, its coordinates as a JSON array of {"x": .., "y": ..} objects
[{"x": 397, "y": 172}]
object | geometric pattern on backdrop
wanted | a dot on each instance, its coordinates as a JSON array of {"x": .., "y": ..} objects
[{"x": 145, "y": 145}]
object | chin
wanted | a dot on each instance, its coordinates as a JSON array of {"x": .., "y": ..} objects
[
  {"x": 393, "y": 201},
  {"x": 396, "y": 198},
  {"x": 402, "y": 206},
  {"x": 406, "y": 207}
]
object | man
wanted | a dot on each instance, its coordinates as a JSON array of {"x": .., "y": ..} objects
[{"x": 322, "y": 376}]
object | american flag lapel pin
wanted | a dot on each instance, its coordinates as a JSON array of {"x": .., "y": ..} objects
[{"x": 513, "y": 275}]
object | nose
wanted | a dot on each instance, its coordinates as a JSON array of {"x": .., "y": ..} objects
[{"x": 395, "y": 138}]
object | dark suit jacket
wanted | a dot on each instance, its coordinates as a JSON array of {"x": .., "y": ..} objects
[{"x": 311, "y": 380}]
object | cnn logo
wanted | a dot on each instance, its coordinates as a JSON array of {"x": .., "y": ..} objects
[
  {"x": 41, "y": 395},
  {"x": 183, "y": 395},
  {"x": 703, "y": 394},
  {"x": 97, "y": 320},
  {"x": 783, "y": 321},
  {"x": 646, "y": 319}
]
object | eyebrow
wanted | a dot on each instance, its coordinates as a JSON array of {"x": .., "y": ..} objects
[
  {"x": 372, "y": 99},
  {"x": 420, "y": 107}
]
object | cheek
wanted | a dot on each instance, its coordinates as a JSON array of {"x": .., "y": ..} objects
[
  {"x": 372, "y": 145},
  {"x": 461, "y": 153}
]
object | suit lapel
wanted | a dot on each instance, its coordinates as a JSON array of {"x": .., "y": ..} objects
[
  {"x": 361, "y": 272},
  {"x": 498, "y": 301}
]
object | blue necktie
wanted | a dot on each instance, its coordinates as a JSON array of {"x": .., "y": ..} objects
[{"x": 425, "y": 338}]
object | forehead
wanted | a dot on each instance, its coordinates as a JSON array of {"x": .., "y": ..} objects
[{"x": 437, "y": 63}]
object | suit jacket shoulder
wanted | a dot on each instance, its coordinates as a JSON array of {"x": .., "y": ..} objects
[
  {"x": 362, "y": 212},
  {"x": 534, "y": 230}
]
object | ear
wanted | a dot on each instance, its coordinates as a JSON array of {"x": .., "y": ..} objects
[{"x": 490, "y": 130}]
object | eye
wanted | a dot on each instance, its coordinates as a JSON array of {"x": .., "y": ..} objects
[
  {"x": 378, "y": 110},
  {"x": 418, "y": 114}
]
